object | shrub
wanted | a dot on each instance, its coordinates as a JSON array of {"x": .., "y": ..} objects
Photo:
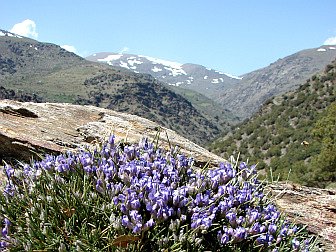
[{"x": 140, "y": 198}]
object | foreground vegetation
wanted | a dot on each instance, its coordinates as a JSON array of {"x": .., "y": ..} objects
[
  {"x": 140, "y": 198},
  {"x": 294, "y": 135}
]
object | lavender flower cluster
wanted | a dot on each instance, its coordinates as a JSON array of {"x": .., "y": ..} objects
[{"x": 153, "y": 190}]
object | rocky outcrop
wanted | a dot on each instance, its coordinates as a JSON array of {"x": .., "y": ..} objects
[
  {"x": 30, "y": 129},
  {"x": 313, "y": 207}
]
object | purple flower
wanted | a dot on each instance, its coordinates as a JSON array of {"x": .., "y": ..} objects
[
  {"x": 253, "y": 215},
  {"x": 295, "y": 244},
  {"x": 223, "y": 238},
  {"x": 255, "y": 229},
  {"x": 272, "y": 228},
  {"x": 7, "y": 222},
  {"x": 3, "y": 244},
  {"x": 4, "y": 231},
  {"x": 111, "y": 140},
  {"x": 284, "y": 231},
  {"x": 9, "y": 189},
  {"x": 239, "y": 234},
  {"x": 9, "y": 171},
  {"x": 126, "y": 222},
  {"x": 232, "y": 217},
  {"x": 265, "y": 239}
]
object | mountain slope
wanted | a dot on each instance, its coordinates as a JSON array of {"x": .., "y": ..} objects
[
  {"x": 238, "y": 97},
  {"x": 53, "y": 74},
  {"x": 203, "y": 83},
  {"x": 282, "y": 136},
  {"x": 188, "y": 76},
  {"x": 246, "y": 97}
]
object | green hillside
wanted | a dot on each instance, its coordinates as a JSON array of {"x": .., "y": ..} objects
[
  {"x": 293, "y": 135},
  {"x": 213, "y": 111}
]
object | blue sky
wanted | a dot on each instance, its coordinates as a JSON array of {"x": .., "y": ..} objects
[{"x": 231, "y": 36}]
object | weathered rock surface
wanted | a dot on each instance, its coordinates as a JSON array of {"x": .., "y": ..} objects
[
  {"x": 313, "y": 207},
  {"x": 30, "y": 128},
  {"x": 27, "y": 129}
]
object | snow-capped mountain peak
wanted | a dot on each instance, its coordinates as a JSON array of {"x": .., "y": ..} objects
[{"x": 190, "y": 76}]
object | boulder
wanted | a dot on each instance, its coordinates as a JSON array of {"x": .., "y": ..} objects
[
  {"x": 31, "y": 129},
  {"x": 313, "y": 207}
]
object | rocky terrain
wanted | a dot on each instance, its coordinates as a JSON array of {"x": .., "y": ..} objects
[
  {"x": 30, "y": 129},
  {"x": 312, "y": 207},
  {"x": 33, "y": 129}
]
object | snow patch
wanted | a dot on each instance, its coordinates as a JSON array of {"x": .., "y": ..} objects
[
  {"x": 321, "y": 50},
  {"x": 155, "y": 69},
  {"x": 215, "y": 81},
  {"x": 35, "y": 48},
  {"x": 227, "y": 74},
  {"x": 174, "y": 67},
  {"x": 94, "y": 54},
  {"x": 206, "y": 77},
  {"x": 2, "y": 33},
  {"x": 175, "y": 71},
  {"x": 221, "y": 79},
  {"x": 123, "y": 64},
  {"x": 133, "y": 60},
  {"x": 111, "y": 58},
  {"x": 163, "y": 62},
  {"x": 233, "y": 76},
  {"x": 332, "y": 48}
]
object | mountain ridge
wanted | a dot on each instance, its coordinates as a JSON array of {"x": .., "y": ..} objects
[
  {"x": 228, "y": 91},
  {"x": 186, "y": 75},
  {"x": 47, "y": 71},
  {"x": 283, "y": 75}
]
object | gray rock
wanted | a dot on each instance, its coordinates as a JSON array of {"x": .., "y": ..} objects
[{"x": 30, "y": 129}]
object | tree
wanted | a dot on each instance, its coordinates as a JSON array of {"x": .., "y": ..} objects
[{"x": 324, "y": 164}]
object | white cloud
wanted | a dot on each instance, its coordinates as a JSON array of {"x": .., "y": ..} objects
[
  {"x": 26, "y": 28},
  {"x": 69, "y": 48},
  {"x": 124, "y": 50},
  {"x": 330, "y": 41}
]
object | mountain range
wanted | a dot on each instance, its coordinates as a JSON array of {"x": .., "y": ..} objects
[
  {"x": 194, "y": 100},
  {"x": 46, "y": 72},
  {"x": 190, "y": 76},
  {"x": 243, "y": 95}
]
